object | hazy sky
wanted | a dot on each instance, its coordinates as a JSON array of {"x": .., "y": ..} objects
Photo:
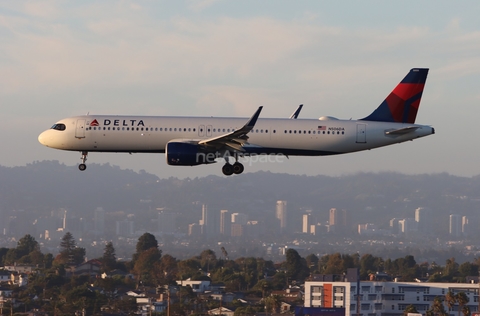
[{"x": 225, "y": 58}]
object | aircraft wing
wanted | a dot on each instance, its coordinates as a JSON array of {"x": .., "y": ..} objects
[
  {"x": 402, "y": 131},
  {"x": 235, "y": 139}
]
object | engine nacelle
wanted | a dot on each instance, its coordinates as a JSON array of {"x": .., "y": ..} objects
[{"x": 179, "y": 153}]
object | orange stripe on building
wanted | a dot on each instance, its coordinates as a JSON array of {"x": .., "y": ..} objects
[{"x": 327, "y": 295}]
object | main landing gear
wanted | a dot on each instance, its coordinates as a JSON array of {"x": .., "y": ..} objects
[
  {"x": 83, "y": 166},
  {"x": 236, "y": 168}
]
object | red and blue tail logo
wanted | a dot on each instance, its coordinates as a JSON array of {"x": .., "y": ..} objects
[{"x": 402, "y": 103}]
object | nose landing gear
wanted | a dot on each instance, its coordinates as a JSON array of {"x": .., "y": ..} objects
[{"x": 83, "y": 166}]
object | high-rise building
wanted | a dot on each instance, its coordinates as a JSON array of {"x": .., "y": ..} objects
[
  {"x": 237, "y": 230},
  {"x": 338, "y": 220},
  {"x": 209, "y": 222},
  {"x": 194, "y": 230},
  {"x": 281, "y": 213},
  {"x": 306, "y": 223},
  {"x": 455, "y": 225},
  {"x": 465, "y": 226},
  {"x": 167, "y": 222},
  {"x": 225, "y": 223},
  {"x": 407, "y": 225},
  {"x": 394, "y": 226},
  {"x": 240, "y": 218},
  {"x": 422, "y": 217}
]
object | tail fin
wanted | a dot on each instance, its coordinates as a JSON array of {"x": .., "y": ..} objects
[{"x": 402, "y": 103}]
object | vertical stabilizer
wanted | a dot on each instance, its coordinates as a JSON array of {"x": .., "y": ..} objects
[{"x": 402, "y": 104}]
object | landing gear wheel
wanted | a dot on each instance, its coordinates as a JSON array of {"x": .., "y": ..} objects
[
  {"x": 83, "y": 166},
  {"x": 227, "y": 169},
  {"x": 238, "y": 168}
]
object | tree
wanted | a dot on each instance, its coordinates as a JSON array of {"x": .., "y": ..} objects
[
  {"x": 273, "y": 303},
  {"x": 26, "y": 245},
  {"x": 450, "y": 299},
  {"x": 296, "y": 266},
  {"x": 462, "y": 300},
  {"x": 144, "y": 243},
  {"x": 69, "y": 252},
  {"x": 466, "y": 311},
  {"x": 147, "y": 266},
  {"x": 438, "y": 308},
  {"x": 312, "y": 262},
  {"x": 109, "y": 259},
  {"x": 334, "y": 264},
  {"x": 410, "y": 309}
]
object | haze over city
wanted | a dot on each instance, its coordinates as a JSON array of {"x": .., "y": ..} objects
[{"x": 219, "y": 58}]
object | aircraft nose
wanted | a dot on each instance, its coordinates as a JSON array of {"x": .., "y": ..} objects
[{"x": 43, "y": 138}]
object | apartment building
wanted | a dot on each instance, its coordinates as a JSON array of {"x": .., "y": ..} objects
[{"x": 375, "y": 298}]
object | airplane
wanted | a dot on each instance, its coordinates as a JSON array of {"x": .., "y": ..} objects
[{"x": 191, "y": 141}]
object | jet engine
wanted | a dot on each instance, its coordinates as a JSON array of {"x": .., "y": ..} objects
[{"x": 187, "y": 153}]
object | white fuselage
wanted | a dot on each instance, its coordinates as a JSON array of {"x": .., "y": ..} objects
[{"x": 303, "y": 137}]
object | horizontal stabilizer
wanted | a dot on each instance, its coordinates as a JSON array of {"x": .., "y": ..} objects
[{"x": 402, "y": 131}]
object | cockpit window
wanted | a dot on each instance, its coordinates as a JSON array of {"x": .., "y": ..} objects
[{"x": 59, "y": 127}]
